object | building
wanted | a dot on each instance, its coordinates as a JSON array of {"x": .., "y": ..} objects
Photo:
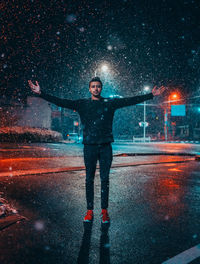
[{"x": 36, "y": 112}]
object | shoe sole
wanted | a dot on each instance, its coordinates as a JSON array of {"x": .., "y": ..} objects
[
  {"x": 87, "y": 221},
  {"x": 105, "y": 222}
]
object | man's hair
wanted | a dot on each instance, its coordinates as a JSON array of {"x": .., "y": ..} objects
[{"x": 96, "y": 79}]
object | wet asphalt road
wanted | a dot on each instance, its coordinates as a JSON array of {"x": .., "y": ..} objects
[
  {"x": 71, "y": 149},
  {"x": 154, "y": 210}
]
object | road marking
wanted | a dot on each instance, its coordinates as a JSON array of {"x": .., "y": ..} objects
[{"x": 185, "y": 257}]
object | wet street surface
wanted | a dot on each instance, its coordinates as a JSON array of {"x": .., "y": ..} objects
[
  {"x": 154, "y": 212},
  {"x": 27, "y": 159},
  {"x": 10, "y": 150}
]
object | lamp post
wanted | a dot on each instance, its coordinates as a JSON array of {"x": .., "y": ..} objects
[
  {"x": 146, "y": 89},
  {"x": 167, "y": 115},
  {"x": 165, "y": 123}
]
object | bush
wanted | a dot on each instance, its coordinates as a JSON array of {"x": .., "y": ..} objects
[{"x": 28, "y": 134}]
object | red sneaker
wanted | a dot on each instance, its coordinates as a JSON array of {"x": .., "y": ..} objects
[
  {"x": 89, "y": 216},
  {"x": 105, "y": 217}
]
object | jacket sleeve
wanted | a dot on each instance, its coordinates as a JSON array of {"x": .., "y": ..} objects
[
  {"x": 128, "y": 101},
  {"x": 66, "y": 103}
]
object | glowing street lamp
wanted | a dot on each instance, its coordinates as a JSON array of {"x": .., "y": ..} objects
[
  {"x": 146, "y": 88},
  {"x": 103, "y": 68},
  {"x": 174, "y": 96}
]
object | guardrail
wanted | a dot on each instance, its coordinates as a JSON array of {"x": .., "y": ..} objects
[{"x": 141, "y": 139}]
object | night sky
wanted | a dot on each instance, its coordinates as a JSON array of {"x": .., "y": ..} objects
[{"x": 61, "y": 43}]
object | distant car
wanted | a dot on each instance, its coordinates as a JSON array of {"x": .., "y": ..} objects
[{"x": 74, "y": 137}]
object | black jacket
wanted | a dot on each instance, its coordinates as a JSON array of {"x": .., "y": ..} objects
[{"x": 96, "y": 115}]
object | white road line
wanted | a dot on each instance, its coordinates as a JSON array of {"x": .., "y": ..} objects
[{"x": 185, "y": 257}]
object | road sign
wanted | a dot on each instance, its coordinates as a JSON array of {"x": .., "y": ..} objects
[
  {"x": 143, "y": 124},
  {"x": 178, "y": 110}
]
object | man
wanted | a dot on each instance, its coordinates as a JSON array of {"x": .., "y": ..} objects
[{"x": 96, "y": 115}]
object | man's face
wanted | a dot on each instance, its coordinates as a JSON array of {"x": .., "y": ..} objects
[{"x": 95, "y": 89}]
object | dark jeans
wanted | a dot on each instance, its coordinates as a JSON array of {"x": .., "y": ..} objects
[{"x": 92, "y": 153}]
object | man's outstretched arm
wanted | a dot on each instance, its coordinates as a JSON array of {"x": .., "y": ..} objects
[
  {"x": 71, "y": 104},
  {"x": 128, "y": 101}
]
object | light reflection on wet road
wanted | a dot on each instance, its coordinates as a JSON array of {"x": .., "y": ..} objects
[{"x": 154, "y": 213}]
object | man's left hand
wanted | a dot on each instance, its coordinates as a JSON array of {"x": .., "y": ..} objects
[{"x": 158, "y": 90}]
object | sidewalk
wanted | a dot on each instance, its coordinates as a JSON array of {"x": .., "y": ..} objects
[
  {"x": 27, "y": 166},
  {"x": 118, "y": 141}
]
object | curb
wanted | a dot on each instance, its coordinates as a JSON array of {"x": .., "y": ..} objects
[
  {"x": 157, "y": 142},
  {"x": 141, "y": 142},
  {"x": 155, "y": 154}
]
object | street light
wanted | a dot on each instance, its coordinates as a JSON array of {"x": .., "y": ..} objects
[
  {"x": 174, "y": 96},
  {"x": 146, "y": 89},
  {"x": 103, "y": 68}
]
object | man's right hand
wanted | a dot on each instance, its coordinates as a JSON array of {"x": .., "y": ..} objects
[{"x": 34, "y": 88}]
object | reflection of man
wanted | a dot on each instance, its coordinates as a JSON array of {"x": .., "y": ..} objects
[{"x": 96, "y": 115}]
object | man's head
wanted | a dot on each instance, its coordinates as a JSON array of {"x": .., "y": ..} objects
[{"x": 95, "y": 87}]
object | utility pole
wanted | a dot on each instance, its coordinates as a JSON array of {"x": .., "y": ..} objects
[
  {"x": 144, "y": 129},
  {"x": 146, "y": 89},
  {"x": 165, "y": 124}
]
